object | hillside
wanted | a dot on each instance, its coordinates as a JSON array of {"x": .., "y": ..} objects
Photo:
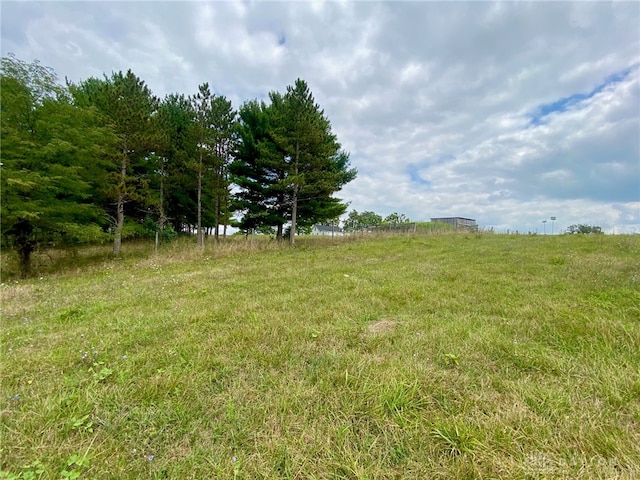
[{"x": 428, "y": 356}]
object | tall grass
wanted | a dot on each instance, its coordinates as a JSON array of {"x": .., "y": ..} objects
[{"x": 415, "y": 356}]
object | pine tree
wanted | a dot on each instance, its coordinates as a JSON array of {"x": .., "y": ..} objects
[
  {"x": 224, "y": 131},
  {"x": 201, "y": 128},
  {"x": 127, "y": 106},
  {"x": 176, "y": 118},
  {"x": 258, "y": 170},
  {"x": 289, "y": 163},
  {"x": 315, "y": 164}
]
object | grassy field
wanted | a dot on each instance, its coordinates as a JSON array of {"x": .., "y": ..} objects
[{"x": 419, "y": 357}]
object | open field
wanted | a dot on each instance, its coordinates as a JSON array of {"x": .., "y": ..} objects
[{"x": 427, "y": 356}]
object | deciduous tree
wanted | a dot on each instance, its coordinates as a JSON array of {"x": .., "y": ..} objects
[
  {"x": 356, "y": 222},
  {"x": 396, "y": 218},
  {"x": 49, "y": 148}
]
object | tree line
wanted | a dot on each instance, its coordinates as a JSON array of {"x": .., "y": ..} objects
[
  {"x": 106, "y": 159},
  {"x": 359, "y": 221}
]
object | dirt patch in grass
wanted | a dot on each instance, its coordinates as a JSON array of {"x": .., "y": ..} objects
[{"x": 382, "y": 326}]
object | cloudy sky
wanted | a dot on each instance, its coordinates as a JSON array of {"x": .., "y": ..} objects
[{"x": 508, "y": 113}]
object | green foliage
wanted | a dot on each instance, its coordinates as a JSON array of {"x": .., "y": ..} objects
[
  {"x": 175, "y": 184},
  {"x": 150, "y": 227},
  {"x": 101, "y": 159},
  {"x": 396, "y": 219},
  {"x": 75, "y": 234},
  {"x": 451, "y": 359},
  {"x": 289, "y": 163},
  {"x": 31, "y": 471},
  {"x": 584, "y": 229},
  {"x": 49, "y": 150},
  {"x": 257, "y": 171},
  {"x": 100, "y": 372},
  {"x": 75, "y": 465},
  {"x": 82, "y": 424},
  {"x": 127, "y": 107},
  {"x": 356, "y": 222},
  {"x": 213, "y": 131}
]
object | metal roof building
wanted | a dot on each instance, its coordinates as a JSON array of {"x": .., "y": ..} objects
[{"x": 458, "y": 222}]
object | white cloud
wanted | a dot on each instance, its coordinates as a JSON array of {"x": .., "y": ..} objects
[{"x": 447, "y": 108}]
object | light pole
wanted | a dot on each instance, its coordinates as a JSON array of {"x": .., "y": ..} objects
[
  {"x": 544, "y": 225},
  {"x": 553, "y": 219}
]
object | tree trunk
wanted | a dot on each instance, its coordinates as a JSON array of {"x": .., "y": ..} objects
[
  {"x": 24, "y": 253},
  {"x": 25, "y": 246},
  {"x": 162, "y": 219},
  {"x": 216, "y": 231},
  {"x": 117, "y": 239},
  {"x": 199, "y": 232},
  {"x": 294, "y": 200},
  {"x": 217, "y": 193},
  {"x": 294, "y": 213}
]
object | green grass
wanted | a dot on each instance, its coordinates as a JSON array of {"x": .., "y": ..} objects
[{"x": 427, "y": 356}]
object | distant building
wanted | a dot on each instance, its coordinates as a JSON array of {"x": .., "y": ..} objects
[
  {"x": 329, "y": 230},
  {"x": 458, "y": 222}
]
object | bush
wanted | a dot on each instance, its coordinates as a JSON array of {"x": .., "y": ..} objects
[
  {"x": 151, "y": 227},
  {"x": 583, "y": 229},
  {"x": 74, "y": 234}
]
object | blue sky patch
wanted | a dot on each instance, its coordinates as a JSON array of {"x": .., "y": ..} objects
[
  {"x": 414, "y": 173},
  {"x": 564, "y": 104},
  {"x": 413, "y": 169}
]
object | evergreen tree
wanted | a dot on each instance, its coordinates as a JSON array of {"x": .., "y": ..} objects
[
  {"x": 201, "y": 128},
  {"x": 175, "y": 119},
  {"x": 224, "y": 120},
  {"x": 127, "y": 106},
  {"x": 315, "y": 164},
  {"x": 214, "y": 133},
  {"x": 290, "y": 163},
  {"x": 258, "y": 171}
]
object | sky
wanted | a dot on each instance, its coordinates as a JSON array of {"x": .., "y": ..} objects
[{"x": 506, "y": 112}]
